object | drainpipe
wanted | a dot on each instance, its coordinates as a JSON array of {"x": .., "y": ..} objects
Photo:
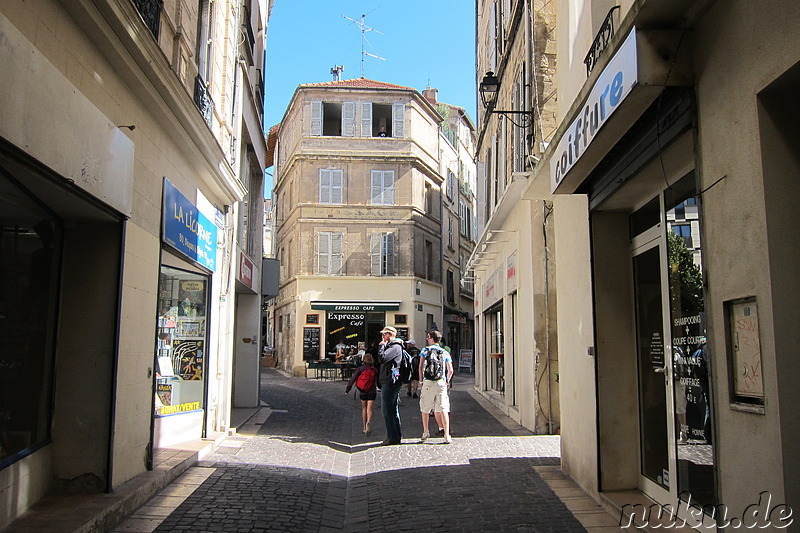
[{"x": 546, "y": 212}]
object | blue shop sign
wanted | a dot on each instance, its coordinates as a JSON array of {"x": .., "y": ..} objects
[{"x": 187, "y": 230}]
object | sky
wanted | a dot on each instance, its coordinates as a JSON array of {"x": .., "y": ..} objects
[{"x": 424, "y": 43}]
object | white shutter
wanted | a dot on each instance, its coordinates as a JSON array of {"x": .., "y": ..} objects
[
  {"x": 399, "y": 120},
  {"x": 366, "y": 119},
  {"x": 376, "y": 187},
  {"x": 316, "y": 117},
  {"x": 336, "y": 254},
  {"x": 388, "y": 187},
  {"x": 337, "y": 186},
  {"x": 390, "y": 257},
  {"x": 349, "y": 119},
  {"x": 375, "y": 253},
  {"x": 324, "y": 186},
  {"x": 323, "y": 253}
]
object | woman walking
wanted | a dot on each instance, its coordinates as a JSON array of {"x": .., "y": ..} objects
[{"x": 365, "y": 380}]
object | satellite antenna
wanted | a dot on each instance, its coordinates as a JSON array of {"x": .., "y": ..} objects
[
  {"x": 336, "y": 71},
  {"x": 364, "y": 29}
]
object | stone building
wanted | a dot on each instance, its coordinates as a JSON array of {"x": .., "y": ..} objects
[
  {"x": 358, "y": 204},
  {"x": 131, "y": 144},
  {"x": 671, "y": 191}
]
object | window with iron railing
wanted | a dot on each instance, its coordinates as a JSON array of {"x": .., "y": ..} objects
[
  {"x": 150, "y": 10},
  {"x": 601, "y": 41}
]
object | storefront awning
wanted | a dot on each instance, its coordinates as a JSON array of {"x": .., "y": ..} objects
[{"x": 339, "y": 305}]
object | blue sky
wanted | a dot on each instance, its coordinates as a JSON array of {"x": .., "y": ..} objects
[{"x": 424, "y": 43}]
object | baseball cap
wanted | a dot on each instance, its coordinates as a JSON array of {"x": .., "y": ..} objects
[{"x": 389, "y": 329}]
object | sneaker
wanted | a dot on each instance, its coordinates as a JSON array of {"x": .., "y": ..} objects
[
  {"x": 424, "y": 437},
  {"x": 415, "y": 395},
  {"x": 408, "y": 394},
  {"x": 440, "y": 431},
  {"x": 368, "y": 429},
  {"x": 448, "y": 439}
]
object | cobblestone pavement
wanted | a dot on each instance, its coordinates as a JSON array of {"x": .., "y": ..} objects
[{"x": 308, "y": 467}]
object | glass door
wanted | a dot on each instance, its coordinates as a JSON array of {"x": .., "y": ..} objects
[{"x": 655, "y": 423}]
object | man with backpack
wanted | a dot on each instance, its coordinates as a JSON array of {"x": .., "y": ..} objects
[
  {"x": 390, "y": 356},
  {"x": 435, "y": 373}
]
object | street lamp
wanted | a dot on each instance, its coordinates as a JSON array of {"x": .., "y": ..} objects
[{"x": 489, "y": 89}]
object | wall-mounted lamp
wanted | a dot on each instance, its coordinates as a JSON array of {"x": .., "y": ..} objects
[{"x": 489, "y": 89}]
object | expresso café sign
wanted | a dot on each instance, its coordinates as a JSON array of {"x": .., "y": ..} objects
[{"x": 358, "y": 307}]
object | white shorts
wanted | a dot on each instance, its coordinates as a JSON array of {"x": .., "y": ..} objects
[{"x": 434, "y": 396}]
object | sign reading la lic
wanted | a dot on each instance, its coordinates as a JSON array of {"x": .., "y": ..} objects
[{"x": 614, "y": 84}]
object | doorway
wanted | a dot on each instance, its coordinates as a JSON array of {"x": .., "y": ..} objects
[{"x": 674, "y": 394}]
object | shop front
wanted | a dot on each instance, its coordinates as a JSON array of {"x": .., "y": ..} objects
[
  {"x": 182, "y": 352},
  {"x": 350, "y": 329}
]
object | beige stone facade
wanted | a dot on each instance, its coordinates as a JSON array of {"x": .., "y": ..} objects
[
  {"x": 359, "y": 218},
  {"x": 668, "y": 193},
  {"x": 108, "y": 114}
]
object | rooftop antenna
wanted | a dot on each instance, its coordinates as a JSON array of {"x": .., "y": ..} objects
[
  {"x": 336, "y": 71},
  {"x": 364, "y": 29}
]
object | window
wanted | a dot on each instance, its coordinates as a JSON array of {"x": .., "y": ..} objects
[
  {"x": 331, "y": 186},
  {"x": 451, "y": 292},
  {"x": 382, "y": 187},
  {"x": 382, "y": 254},
  {"x": 333, "y": 119},
  {"x": 182, "y": 341},
  {"x": 205, "y": 39},
  {"x": 429, "y": 270},
  {"x": 329, "y": 253},
  {"x": 684, "y": 231},
  {"x": 31, "y": 242},
  {"x": 451, "y": 184},
  {"x": 377, "y": 120},
  {"x": 450, "y": 232},
  {"x": 429, "y": 199},
  {"x": 465, "y": 219}
]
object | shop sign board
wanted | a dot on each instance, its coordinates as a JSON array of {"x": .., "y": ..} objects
[
  {"x": 246, "y": 268},
  {"x": 187, "y": 230},
  {"x": 611, "y": 88},
  {"x": 359, "y": 307}
]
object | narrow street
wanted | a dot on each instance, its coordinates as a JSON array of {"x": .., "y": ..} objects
[{"x": 302, "y": 464}]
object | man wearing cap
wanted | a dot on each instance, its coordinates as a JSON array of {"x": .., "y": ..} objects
[{"x": 389, "y": 355}]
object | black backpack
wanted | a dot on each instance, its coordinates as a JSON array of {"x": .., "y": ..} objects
[
  {"x": 434, "y": 363},
  {"x": 405, "y": 367}
]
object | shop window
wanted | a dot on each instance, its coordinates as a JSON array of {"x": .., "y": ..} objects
[
  {"x": 30, "y": 245},
  {"x": 182, "y": 342}
]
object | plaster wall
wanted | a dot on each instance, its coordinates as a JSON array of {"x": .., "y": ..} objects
[{"x": 732, "y": 43}]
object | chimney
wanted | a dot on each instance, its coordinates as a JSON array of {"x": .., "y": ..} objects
[{"x": 431, "y": 95}]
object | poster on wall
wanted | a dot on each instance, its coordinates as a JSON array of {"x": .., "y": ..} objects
[
  {"x": 164, "y": 391},
  {"x": 191, "y": 327},
  {"x": 192, "y": 298},
  {"x": 187, "y": 359}
]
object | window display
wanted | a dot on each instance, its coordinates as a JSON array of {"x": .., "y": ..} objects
[{"x": 181, "y": 357}]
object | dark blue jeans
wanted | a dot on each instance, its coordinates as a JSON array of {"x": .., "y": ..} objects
[{"x": 390, "y": 395}]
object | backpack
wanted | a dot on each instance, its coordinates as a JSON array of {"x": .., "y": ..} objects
[
  {"x": 434, "y": 363},
  {"x": 366, "y": 379},
  {"x": 405, "y": 368}
]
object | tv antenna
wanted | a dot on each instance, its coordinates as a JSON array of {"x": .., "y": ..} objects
[{"x": 364, "y": 29}]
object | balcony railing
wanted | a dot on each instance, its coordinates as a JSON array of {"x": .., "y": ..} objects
[
  {"x": 203, "y": 100},
  {"x": 150, "y": 10},
  {"x": 601, "y": 41}
]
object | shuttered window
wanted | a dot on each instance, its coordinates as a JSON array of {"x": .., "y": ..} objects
[
  {"x": 349, "y": 119},
  {"x": 316, "y": 118},
  {"x": 382, "y": 254},
  {"x": 329, "y": 253},
  {"x": 366, "y": 119},
  {"x": 399, "y": 120},
  {"x": 382, "y": 187},
  {"x": 331, "y": 186}
]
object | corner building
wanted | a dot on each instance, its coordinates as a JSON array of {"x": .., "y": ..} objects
[
  {"x": 672, "y": 176},
  {"x": 358, "y": 218},
  {"x": 130, "y": 146}
]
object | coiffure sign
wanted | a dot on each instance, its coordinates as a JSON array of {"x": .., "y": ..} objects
[{"x": 614, "y": 84}]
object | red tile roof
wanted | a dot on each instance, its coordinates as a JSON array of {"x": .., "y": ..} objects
[
  {"x": 358, "y": 83},
  {"x": 272, "y": 139}
]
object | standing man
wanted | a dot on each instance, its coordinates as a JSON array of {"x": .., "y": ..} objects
[
  {"x": 435, "y": 373},
  {"x": 390, "y": 354}
]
